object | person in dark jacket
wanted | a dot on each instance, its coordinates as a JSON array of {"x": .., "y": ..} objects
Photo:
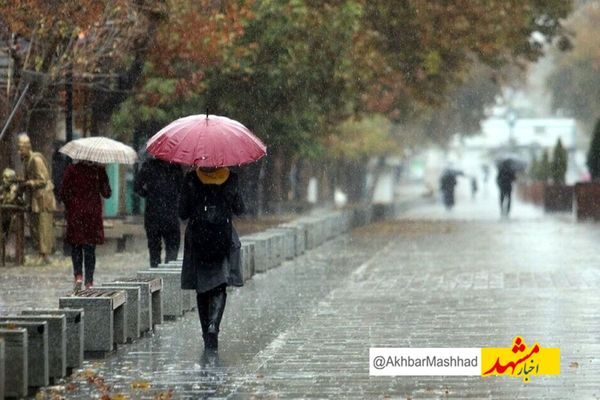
[
  {"x": 506, "y": 177},
  {"x": 83, "y": 186},
  {"x": 447, "y": 184},
  {"x": 209, "y": 199},
  {"x": 160, "y": 183}
]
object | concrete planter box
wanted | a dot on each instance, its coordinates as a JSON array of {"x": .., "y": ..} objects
[
  {"x": 37, "y": 350},
  {"x": 558, "y": 198},
  {"x": 532, "y": 192},
  {"x": 75, "y": 320},
  {"x": 57, "y": 342},
  {"x": 16, "y": 370},
  {"x": 171, "y": 293},
  {"x": 105, "y": 318},
  {"x": 151, "y": 306},
  {"x": 587, "y": 201},
  {"x": 133, "y": 308}
]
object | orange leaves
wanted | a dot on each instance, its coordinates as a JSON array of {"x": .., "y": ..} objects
[
  {"x": 194, "y": 38},
  {"x": 26, "y": 16},
  {"x": 429, "y": 45}
]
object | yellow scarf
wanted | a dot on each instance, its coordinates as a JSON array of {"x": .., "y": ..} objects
[{"x": 216, "y": 177}]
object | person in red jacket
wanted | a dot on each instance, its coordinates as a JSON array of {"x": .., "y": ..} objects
[{"x": 83, "y": 186}]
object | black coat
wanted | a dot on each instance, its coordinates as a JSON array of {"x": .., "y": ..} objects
[
  {"x": 160, "y": 183},
  {"x": 506, "y": 176},
  {"x": 196, "y": 273}
]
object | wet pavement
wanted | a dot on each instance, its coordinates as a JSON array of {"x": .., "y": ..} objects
[{"x": 431, "y": 278}]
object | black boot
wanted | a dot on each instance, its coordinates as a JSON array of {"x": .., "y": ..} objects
[
  {"x": 215, "y": 314},
  {"x": 202, "y": 300}
]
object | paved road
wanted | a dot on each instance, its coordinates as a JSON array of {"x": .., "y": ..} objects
[{"x": 429, "y": 279}]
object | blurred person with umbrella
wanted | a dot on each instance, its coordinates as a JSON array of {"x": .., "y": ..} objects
[
  {"x": 447, "y": 184},
  {"x": 84, "y": 184},
  {"x": 39, "y": 197},
  {"x": 210, "y": 196},
  {"x": 159, "y": 182},
  {"x": 508, "y": 167}
]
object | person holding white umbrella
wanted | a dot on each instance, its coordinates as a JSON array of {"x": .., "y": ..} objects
[{"x": 84, "y": 184}]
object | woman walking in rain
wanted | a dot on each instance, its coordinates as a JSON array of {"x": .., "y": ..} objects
[
  {"x": 83, "y": 186},
  {"x": 209, "y": 199}
]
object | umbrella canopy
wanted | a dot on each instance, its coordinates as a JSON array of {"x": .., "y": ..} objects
[
  {"x": 452, "y": 171},
  {"x": 206, "y": 141},
  {"x": 511, "y": 163},
  {"x": 99, "y": 149}
]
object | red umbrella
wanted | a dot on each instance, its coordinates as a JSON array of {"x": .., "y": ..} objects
[{"x": 206, "y": 141}]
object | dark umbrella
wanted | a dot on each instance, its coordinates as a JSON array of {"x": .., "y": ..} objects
[
  {"x": 452, "y": 171},
  {"x": 511, "y": 163}
]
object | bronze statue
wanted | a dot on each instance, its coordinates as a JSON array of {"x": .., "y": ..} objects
[
  {"x": 39, "y": 197},
  {"x": 9, "y": 195}
]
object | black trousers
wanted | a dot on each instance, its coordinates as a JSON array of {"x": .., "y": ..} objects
[
  {"x": 156, "y": 234},
  {"x": 84, "y": 254}
]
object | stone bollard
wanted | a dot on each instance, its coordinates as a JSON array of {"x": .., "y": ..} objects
[
  {"x": 2, "y": 367},
  {"x": 328, "y": 229},
  {"x": 151, "y": 312},
  {"x": 277, "y": 248},
  {"x": 133, "y": 308},
  {"x": 288, "y": 238},
  {"x": 74, "y": 319},
  {"x": 261, "y": 251},
  {"x": 105, "y": 317},
  {"x": 248, "y": 264},
  {"x": 311, "y": 233},
  {"x": 346, "y": 216},
  {"x": 15, "y": 350},
  {"x": 299, "y": 233},
  {"x": 188, "y": 297},
  {"x": 171, "y": 289},
  {"x": 37, "y": 350},
  {"x": 57, "y": 341}
]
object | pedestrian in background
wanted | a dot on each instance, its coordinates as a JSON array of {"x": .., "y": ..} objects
[
  {"x": 159, "y": 182},
  {"x": 506, "y": 177},
  {"x": 474, "y": 187},
  {"x": 447, "y": 184},
  {"x": 209, "y": 199},
  {"x": 83, "y": 186}
]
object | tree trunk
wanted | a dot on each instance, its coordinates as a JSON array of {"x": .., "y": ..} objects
[
  {"x": 275, "y": 175},
  {"x": 41, "y": 129},
  {"x": 251, "y": 187},
  {"x": 304, "y": 173},
  {"x": 355, "y": 180},
  {"x": 286, "y": 171},
  {"x": 103, "y": 103},
  {"x": 6, "y": 154}
]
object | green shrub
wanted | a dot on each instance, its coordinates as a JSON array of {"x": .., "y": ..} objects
[
  {"x": 593, "y": 158},
  {"x": 559, "y": 163}
]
